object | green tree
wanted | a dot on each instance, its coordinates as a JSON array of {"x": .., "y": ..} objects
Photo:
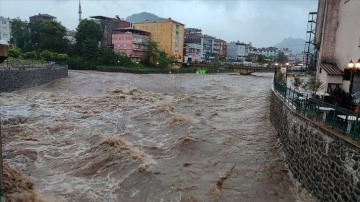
[
  {"x": 88, "y": 31},
  {"x": 297, "y": 81},
  {"x": 20, "y": 34},
  {"x": 14, "y": 52},
  {"x": 152, "y": 52},
  {"x": 89, "y": 49},
  {"x": 313, "y": 84},
  {"x": 260, "y": 59},
  {"x": 281, "y": 57},
  {"x": 52, "y": 36}
]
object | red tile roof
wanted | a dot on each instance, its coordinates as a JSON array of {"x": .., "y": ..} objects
[{"x": 331, "y": 69}]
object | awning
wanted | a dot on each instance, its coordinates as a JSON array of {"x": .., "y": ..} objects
[{"x": 331, "y": 69}]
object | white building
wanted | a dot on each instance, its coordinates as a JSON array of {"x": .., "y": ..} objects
[
  {"x": 5, "y": 29},
  {"x": 236, "y": 50},
  {"x": 337, "y": 36}
]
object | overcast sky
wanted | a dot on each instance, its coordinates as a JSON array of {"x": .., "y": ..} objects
[{"x": 262, "y": 22}]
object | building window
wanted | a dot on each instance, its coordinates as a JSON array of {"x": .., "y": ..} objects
[
  {"x": 118, "y": 45},
  {"x": 124, "y": 38},
  {"x": 4, "y": 28},
  {"x": 4, "y": 21},
  {"x": 124, "y": 45},
  {"x": 5, "y": 35}
]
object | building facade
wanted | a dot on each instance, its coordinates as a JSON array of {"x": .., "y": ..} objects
[
  {"x": 5, "y": 29},
  {"x": 338, "y": 42},
  {"x": 108, "y": 25},
  {"x": 131, "y": 42},
  {"x": 41, "y": 17},
  {"x": 168, "y": 33},
  {"x": 236, "y": 50}
]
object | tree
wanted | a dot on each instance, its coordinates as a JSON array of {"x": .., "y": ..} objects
[
  {"x": 261, "y": 59},
  {"x": 14, "y": 52},
  {"x": 20, "y": 34},
  {"x": 87, "y": 31},
  {"x": 89, "y": 49},
  {"x": 152, "y": 52},
  {"x": 52, "y": 36},
  {"x": 281, "y": 57},
  {"x": 297, "y": 81},
  {"x": 313, "y": 84}
]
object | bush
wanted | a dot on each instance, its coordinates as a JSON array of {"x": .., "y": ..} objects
[
  {"x": 46, "y": 55},
  {"x": 15, "y": 52},
  {"x": 30, "y": 55},
  {"x": 81, "y": 64}
]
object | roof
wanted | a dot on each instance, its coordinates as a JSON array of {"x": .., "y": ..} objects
[
  {"x": 43, "y": 15},
  {"x": 137, "y": 31},
  {"x": 331, "y": 69},
  {"x": 159, "y": 21},
  {"x": 100, "y": 17}
]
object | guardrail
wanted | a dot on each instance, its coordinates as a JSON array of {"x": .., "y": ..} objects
[{"x": 337, "y": 118}]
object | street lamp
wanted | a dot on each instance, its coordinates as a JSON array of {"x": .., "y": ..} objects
[
  {"x": 353, "y": 67},
  {"x": 276, "y": 67}
]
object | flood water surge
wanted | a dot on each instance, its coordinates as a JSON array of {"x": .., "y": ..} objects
[{"x": 96, "y": 136}]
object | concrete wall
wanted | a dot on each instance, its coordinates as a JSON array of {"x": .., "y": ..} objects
[
  {"x": 16, "y": 79},
  {"x": 348, "y": 33},
  {"x": 329, "y": 28},
  {"x": 325, "y": 162}
]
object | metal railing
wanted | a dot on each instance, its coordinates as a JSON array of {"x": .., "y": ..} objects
[{"x": 339, "y": 119}]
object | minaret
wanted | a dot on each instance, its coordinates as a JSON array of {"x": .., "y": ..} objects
[{"x": 79, "y": 11}]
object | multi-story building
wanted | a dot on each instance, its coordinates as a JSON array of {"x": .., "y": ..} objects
[
  {"x": 207, "y": 43},
  {"x": 131, "y": 42},
  {"x": 337, "y": 38},
  {"x": 168, "y": 33},
  {"x": 5, "y": 29},
  {"x": 107, "y": 25},
  {"x": 41, "y": 17},
  {"x": 220, "y": 49},
  {"x": 236, "y": 50}
]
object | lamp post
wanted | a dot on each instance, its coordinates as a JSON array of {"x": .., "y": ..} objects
[
  {"x": 287, "y": 65},
  {"x": 353, "y": 67}
]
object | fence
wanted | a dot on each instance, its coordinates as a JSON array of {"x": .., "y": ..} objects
[{"x": 337, "y": 118}]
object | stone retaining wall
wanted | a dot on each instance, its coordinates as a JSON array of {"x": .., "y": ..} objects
[
  {"x": 16, "y": 79},
  {"x": 325, "y": 162}
]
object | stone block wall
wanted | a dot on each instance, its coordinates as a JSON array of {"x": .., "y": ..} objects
[
  {"x": 327, "y": 163},
  {"x": 16, "y": 79}
]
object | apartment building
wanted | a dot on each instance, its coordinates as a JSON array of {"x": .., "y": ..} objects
[
  {"x": 168, "y": 33},
  {"x": 236, "y": 50},
  {"x": 131, "y": 42},
  {"x": 107, "y": 25},
  {"x": 338, "y": 42},
  {"x": 5, "y": 29}
]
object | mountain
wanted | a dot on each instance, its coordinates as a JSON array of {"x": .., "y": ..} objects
[
  {"x": 295, "y": 44},
  {"x": 140, "y": 17}
]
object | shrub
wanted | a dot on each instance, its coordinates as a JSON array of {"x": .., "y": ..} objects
[
  {"x": 30, "y": 55},
  {"x": 15, "y": 52}
]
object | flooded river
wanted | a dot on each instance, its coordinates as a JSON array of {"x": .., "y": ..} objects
[{"x": 97, "y": 136}]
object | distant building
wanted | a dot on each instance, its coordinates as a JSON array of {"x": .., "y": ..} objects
[
  {"x": 42, "y": 17},
  {"x": 131, "y": 42},
  {"x": 168, "y": 33},
  {"x": 70, "y": 35},
  {"x": 107, "y": 25},
  {"x": 5, "y": 29},
  {"x": 236, "y": 50}
]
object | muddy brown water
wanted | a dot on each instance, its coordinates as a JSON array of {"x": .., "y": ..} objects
[{"x": 96, "y": 136}]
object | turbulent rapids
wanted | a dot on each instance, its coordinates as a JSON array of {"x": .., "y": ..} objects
[{"x": 121, "y": 137}]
